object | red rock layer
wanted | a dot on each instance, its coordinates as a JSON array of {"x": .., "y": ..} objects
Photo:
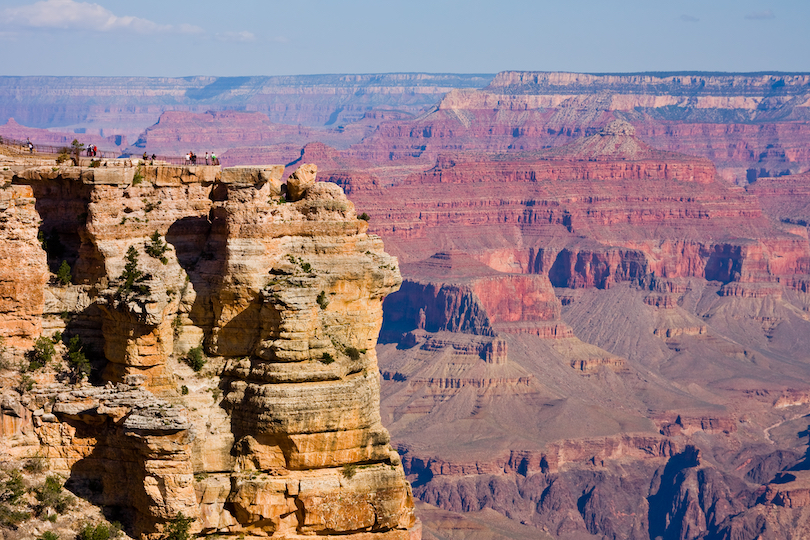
[
  {"x": 644, "y": 213},
  {"x": 556, "y": 456},
  {"x": 786, "y": 198},
  {"x": 748, "y": 126},
  {"x": 452, "y": 292}
]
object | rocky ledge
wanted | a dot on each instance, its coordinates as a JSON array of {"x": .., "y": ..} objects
[{"x": 271, "y": 292}]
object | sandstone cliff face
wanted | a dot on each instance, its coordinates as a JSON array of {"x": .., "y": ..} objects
[
  {"x": 23, "y": 268},
  {"x": 285, "y": 298}
]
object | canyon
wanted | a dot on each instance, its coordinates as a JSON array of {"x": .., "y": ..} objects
[
  {"x": 749, "y": 125},
  {"x": 601, "y": 329},
  {"x": 590, "y": 337},
  {"x": 128, "y": 105}
]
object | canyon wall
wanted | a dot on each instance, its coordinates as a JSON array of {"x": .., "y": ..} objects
[
  {"x": 278, "y": 432},
  {"x": 749, "y": 125},
  {"x": 592, "y": 336},
  {"x": 602, "y": 325},
  {"x": 128, "y": 105}
]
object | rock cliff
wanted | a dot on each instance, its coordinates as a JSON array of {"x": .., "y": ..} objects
[
  {"x": 748, "y": 125},
  {"x": 279, "y": 302},
  {"x": 592, "y": 337}
]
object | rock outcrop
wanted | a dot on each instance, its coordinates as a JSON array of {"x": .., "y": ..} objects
[
  {"x": 280, "y": 301},
  {"x": 23, "y": 268}
]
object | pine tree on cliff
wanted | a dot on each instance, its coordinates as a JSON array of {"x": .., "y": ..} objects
[{"x": 131, "y": 275}]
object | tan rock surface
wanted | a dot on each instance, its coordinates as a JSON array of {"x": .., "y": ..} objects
[
  {"x": 283, "y": 429},
  {"x": 300, "y": 181}
]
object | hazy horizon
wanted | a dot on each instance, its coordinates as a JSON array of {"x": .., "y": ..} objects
[{"x": 181, "y": 39}]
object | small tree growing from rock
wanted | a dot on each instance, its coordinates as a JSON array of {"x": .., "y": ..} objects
[
  {"x": 131, "y": 276},
  {"x": 77, "y": 359},
  {"x": 41, "y": 354},
  {"x": 178, "y": 528},
  {"x": 156, "y": 248},
  {"x": 63, "y": 274},
  {"x": 195, "y": 358},
  {"x": 76, "y": 149}
]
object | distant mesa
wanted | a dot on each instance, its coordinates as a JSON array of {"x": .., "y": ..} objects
[{"x": 618, "y": 128}]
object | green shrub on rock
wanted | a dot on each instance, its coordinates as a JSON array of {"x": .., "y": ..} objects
[
  {"x": 41, "y": 354},
  {"x": 63, "y": 274},
  {"x": 76, "y": 357},
  {"x": 196, "y": 358},
  {"x": 50, "y": 495},
  {"x": 101, "y": 531},
  {"x": 157, "y": 247},
  {"x": 178, "y": 528}
]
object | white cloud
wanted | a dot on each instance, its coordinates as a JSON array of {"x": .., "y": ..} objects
[
  {"x": 186, "y": 28},
  {"x": 761, "y": 15},
  {"x": 70, "y": 15},
  {"x": 689, "y": 18},
  {"x": 243, "y": 37}
]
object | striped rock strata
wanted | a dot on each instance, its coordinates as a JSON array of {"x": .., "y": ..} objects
[{"x": 282, "y": 435}]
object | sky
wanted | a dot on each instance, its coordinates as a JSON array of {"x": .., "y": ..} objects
[{"x": 171, "y": 38}]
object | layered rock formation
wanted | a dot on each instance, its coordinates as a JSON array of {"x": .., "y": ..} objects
[
  {"x": 128, "y": 105},
  {"x": 282, "y": 437},
  {"x": 785, "y": 198},
  {"x": 595, "y": 337},
  {"x": 24, "y": 268},
  {"x": 176, "y": 133},
  {"x": 748, "y": 125},
  {"x": 671, "y": 292}
]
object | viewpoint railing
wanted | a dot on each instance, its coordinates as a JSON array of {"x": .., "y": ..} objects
[{"x": 55, "y": 150}]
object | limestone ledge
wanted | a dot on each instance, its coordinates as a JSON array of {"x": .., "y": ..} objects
[{"x": 280, "y": 286}]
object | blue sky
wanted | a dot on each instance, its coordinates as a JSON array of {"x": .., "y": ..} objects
[{"x": 273, "y": 37}]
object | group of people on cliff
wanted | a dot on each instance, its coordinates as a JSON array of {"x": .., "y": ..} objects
[{"x": 191, "y": 159}]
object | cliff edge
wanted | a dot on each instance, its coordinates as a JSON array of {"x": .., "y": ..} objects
[{"x": 213, "y": 350}]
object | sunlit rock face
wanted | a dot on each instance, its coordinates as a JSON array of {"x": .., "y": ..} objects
[{"x": 280, "y": 434}]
